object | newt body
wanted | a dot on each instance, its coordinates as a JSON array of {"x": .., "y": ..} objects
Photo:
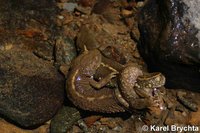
[
  {"x": 137, "y": 88},
  {"x": 87, "y": 93}
]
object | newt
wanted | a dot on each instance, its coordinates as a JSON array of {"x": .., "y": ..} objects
[
  {"x": 89, "y": 94},
  {"x": 137, "y": 87},
  {"x": 84, "y": 91},
  {"x": 98, "y": 94}
]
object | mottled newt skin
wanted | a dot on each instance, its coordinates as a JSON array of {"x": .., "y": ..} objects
[
  {"x": 87, "y": 93},
  {"x": 137, "y": 88}
]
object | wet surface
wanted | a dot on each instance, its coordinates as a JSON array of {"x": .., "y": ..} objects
[
  {"x": 46, "y": 36},
  {"x": 169, "y": 43}
]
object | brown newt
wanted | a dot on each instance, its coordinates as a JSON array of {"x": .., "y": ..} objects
[
  {"x": 137, "y": 88},
  {"x": 87, "y": 93}
]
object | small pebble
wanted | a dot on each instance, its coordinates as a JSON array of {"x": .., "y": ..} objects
[
  {"x": 126, "y": 13},
  {"x": 103, "y": 128},
  {"x": 67, "y": 6},
  {"x": 140, "y": 4},
  {"x": 82, "y": 125},
  {"x": 75, "y": 129},
  {"x": 60, "y": 17},
  {"x": 117, "y": 128}
]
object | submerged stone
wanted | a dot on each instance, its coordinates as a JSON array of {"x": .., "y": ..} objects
[
  {"x": 31, "y": 90},
  {"x": 64, "y": 119},
  {"x": 170, "y": 40}
]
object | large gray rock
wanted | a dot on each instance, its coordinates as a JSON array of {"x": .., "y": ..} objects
[
  {"x": 31, "y": 90},
  {"x": 170, "y": 40}
]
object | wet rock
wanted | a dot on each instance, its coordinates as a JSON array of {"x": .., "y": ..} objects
[
  {"x": 108, "y": 10},
  {"x": 126, "y": 13},
  {"x": 86, "y": 3},
  {"x": 29, "y": 27},
  {"x": 31, "y": 90},
  {"x": 10, "y": 128},
  {"x": 101, "y": 6},
  {"x": 177, "y": 118},
  {"x": 64, "y": 18},
  {"x": 67, "y": 6},
  {"x": 195, "y": 120},
  {"x": 195, "y": 116},
  {"x": 20, "y": 14},
  {"x": 75, "y": 129},
  {"x": 64, "y": 120},
  {"x": 110, "y": 122},
  {"x": 44, "y": 50},
  {"x": 83, "y": 126},
  {"x": 65, "y": 50},
  {"x": 170, "y": 41},
  {"x": 84, "y": 10},
  {"x": 133, "y": 125},
  {"x": 113, "y": 40},
  {"x": 90, "y": 120}
]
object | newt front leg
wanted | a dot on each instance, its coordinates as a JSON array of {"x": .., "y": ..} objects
[{"x": 102, "y": 82}]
